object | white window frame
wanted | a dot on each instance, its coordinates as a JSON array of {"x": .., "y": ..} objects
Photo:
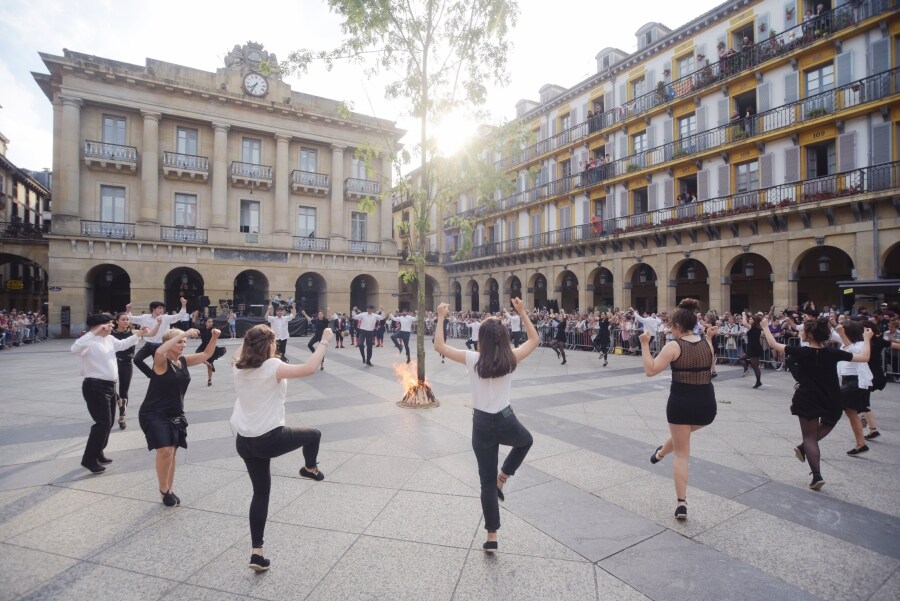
[
  {"x": 112, "y": 204},
  {"x": 251, "y": 151},
  {"x": 187, "y": 141},
  {"x": 638, "y": 87},
  {"x": 306, "y": 221},
  {"x": 359, "y": 226},
  {"x": 114, "y": 130},
  {"x": 823, "y": 76},
  {"x": 309, "y": 159},
  {"x": 746, "y": 176},
  {"x": 250, "y": 216},
  {"x": 685, "y": 65},
  {"x": 185, "y": 210}
]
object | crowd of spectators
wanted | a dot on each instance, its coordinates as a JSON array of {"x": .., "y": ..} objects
[{"x": 19, "y": 328}]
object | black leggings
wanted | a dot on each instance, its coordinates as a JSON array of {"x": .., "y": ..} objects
[
  {"x": 257, "y": 453},
  {"x": 813, "y": 431},
  {"x": 754, "y": 363},
  {"x": 312, "y": 342}
]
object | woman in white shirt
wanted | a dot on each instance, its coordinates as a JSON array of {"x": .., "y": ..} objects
[
  {"x": 260, "y": 382},
  {"x": 493, "y": 420}
]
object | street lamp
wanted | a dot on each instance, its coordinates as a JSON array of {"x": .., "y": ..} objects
[
  {"x": 569, "y": 282},
  {"x": 109, "y": 276},
  {"x": 184, "y": 277},
  {"x": 824, "y": 263},
  {"x": 250, "y": 280},
  {"x": 748, "y": 269},
  {"x": 691, "y": 273},
  {"x": 362, "y": 284},
  {"x": 309, "y": 282},
  {"x": 603, "y": 279},
  {"x": 642, "y": 276}
]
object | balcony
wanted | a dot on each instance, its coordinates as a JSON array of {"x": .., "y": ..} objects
[
  {"x": 18, "y": 230},
  {"x": 311, "y": 243},
  {"x": 785, "y": 42},
  {"x": 185, "y": 235},
  {"x": 251, "y": 175},
  {"x": 107, "y": 229},
  {"x": 356, "y": 189},
  {"x": 114, "y": 157},
  {"x": 364, "y": 248},
  {"x": 308, "y": 182},
  {"x": 768, "y": 203},
  {"x": 430, "y": 256},
  {"x": 185, "y": 166}
]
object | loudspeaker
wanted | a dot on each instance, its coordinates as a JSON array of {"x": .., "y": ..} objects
[{"x": 204, "y": 301}]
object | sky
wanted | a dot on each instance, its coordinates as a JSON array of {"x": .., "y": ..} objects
[{"x": 553, "y": 42}]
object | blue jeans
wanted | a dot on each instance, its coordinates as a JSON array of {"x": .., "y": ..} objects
[{"x": 489, "y": 431}]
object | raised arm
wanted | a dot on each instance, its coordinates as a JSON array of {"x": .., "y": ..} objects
[
  {"x": 159, "y": 358},
  {"x": 773, "y": 344},
  {"x": 863, "y": 357},
  {"x": 287, "y": 371},
  {"x": 269, "y": 312},
  {"x": 440, "y": 345},
  {"x": 198, "y": 358},
  {"x": 529, "y": 345}
]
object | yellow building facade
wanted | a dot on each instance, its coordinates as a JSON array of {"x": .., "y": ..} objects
[
  {"x": 226, "y": 187},
  {"x": 747, "y": 159}
]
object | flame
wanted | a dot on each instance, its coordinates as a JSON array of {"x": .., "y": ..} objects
[
  {"x": 406, "y": 374},
  {"x": 416, "y": 394}
]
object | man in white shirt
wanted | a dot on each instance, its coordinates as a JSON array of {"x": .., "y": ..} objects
[
  {"x": 405, "y": 320},
  {"x": 473, "y": 326},
  {"x": 151, "y": 343},
  {"x": 365, "y": 331},
  {"x": 650, "y": 324},
  {"x": 279, "y": 324},
  {"x": 515, "y": 327},
  {"x": 97, "y": 350}
]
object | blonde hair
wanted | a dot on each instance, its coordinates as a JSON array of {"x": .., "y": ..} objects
[{"x": 171, "y": 334}]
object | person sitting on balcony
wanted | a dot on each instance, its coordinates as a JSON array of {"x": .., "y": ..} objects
[{"x": 590, "y": 121}]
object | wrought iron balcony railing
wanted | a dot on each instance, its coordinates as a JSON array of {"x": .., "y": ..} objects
[
  {"x": 364, "y": 248},
  {"x": 430, "y": 256},
  {"x": 251, "y": 170},
  {"x": 110, "y": 152},
  {"x": 187, "y": 162},
  {"x": 362, "y": 187},
  {"x": 107, "y": 229},
  {"x": 800, "y": 36},
  {"x": 19, "y": 229},
  {"x": 188, "y": 235},
  {"x": 733, "y": 206},
  {"x": 311, "y": 243},
  {"x": 309, "y": 179}
]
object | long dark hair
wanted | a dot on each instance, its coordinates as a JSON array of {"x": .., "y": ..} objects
[
  {"x": 495, "y": 356},
  {"x": 259, "y": 345}
]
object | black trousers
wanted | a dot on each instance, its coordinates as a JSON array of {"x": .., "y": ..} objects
[
  {"x": 258, "y": 452},
  {"x": 140, "y": 357},
  {"x": 312, "y": 342},
  {"x": 281, "y": 349},
  {"x": 517, "y": 338},
  {"x": 365, "y": 338},
  {"x": 489, "y": 431},
  {"x": 126, "y": 369},
  {"x": 100, "y": 397},
  {"x": 404, "y": 336}
]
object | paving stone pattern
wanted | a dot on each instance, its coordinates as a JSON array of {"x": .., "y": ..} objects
[{"x": 587, "y": 517}]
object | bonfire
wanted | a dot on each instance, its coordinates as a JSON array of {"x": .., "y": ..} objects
[{"x": 417, "y": 395}]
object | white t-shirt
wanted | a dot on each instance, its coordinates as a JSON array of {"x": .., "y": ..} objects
[
  {"x": 515, "y": 323},
  {"x": 367, "y": 321},
  {"x": 259, "y": 407},
  {"x": 490, "y": 395},
  {"x": 406, "y": 322},
  {"x": 147, "y": 320},
  {"x": 279, "y": 325},
  {"x": 473, "y": 330}
]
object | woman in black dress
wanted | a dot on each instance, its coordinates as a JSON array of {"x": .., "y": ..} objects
[
  {"x": 122, "y": 331},
  {"x": 206, "y": 330},
  {"x": 817, "y": 398},
  {"x": 692, "y": 399},
  {"x": 319, "y": 325},
  {"x": 558, "y": 343},
  {"x": 754, "y": 347},
  {"x": 602, "y": 340},
  {"x": 162, "y": 412}
]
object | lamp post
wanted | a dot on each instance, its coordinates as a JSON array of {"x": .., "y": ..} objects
[
  {"x": 691, "y": 273},
  {"x": 824, "y": 264},
  {"x": 748, "y": 269}
]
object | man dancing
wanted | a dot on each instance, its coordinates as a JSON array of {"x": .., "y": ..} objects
[
  {"x": 515, "y": 327},
  {"x": 279, "y": 324},
  {"x": 405, "y": 320},
  {"x": 151, "y": 343},
  {"x": 365, "y": 333}
]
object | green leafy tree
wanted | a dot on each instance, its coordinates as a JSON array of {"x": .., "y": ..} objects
[{"x": 441, "y": 55}]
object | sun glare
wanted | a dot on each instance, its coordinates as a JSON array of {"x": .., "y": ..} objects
[{"x": 452, "y": 131}]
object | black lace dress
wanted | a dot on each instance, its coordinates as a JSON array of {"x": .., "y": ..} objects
[{"x": 692, "y": 399}]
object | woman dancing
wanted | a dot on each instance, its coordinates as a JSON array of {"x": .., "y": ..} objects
[
  {"x": 754, "y": 347},
  {"x": 558, "y": 344},
  {"x": 319, "y": 325},
  {"x": 260, "y": 382},
  {"x": 493, "y": 420},
  {"x": 206, "y": 331},
  {"x": 124, "y": 360},
  {"x": 602, "y": 340},
  {"x": 162, "y": 412},
  {"x": 692, "y": 399},
  {"x": 817, "y": 398},
  {"x": 856, "y": 380}
]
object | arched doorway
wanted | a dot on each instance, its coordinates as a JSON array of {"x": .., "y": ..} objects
[
  {"x": 891, "y": 265},
  {"x": 310, "y": 293},
  {"x": 603, "y": 288},
  {"x": 643, "y": 289},
  {"x": 751, "y": 284},
  {"x": 23, "y": 284},
  {"x": 473, "y": 296},
  {"x": 514, "y": 285},
  {"x": 183, "y": 282},
  {"x": 363, "y": 292},
  {"x": 568, "y": 288},
  {"x": 409, "y": 294},
  {"x": 457, "y": 296},
  {"x": 108, "y": 289},
  {"x": 251, "y": 293},
  {"x": 539, "y": 289},
  {"x": 818, "y": 271},
  {"x": 493, "y": 294},
  {"x": 692, "y": 281}
]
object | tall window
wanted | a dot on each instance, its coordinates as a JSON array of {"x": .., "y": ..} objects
[
  {"x": 565, "y": 216},
  {"x": 512, "y": 228},
  {"x": 747, "y": 176},
  {"x": 185, "y": 210},
  {"x": 306, "y": 221},
  {"x": 687, "y": 127},
  {"x": 638, "y": 87},
  {"x": 536, "y": 224},
  {"x": 308, "y": 160},
  {"x": 112, "y": 204},
  {"x": 358, "y": 231},
  {"x": 113, "y": 129},
  {"x": 358, "y": 168},
  {"x": 820, "y": 79},
  {"x": 639, "y": 143},
  {"x": 598, "y": 207},
  {"x": 250, "y": 151},
  {"x": 565, "y": 168},
  {"x": 250, "y": 216},
  {"x": 186, "y": 141},
  {"x": 565, "y": 122},
  {"x": 640, "y": 201},
  {"x": 685, "y": 65}
]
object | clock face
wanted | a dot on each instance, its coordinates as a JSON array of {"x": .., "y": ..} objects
[{"x": 255, "y": 84}]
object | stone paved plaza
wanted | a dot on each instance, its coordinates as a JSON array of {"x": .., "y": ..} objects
[{"x": 398, "y": 516}]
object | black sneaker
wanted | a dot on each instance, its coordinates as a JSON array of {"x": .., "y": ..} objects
[
  {"x": 318, "y": 475},
  {"x": 654, "y": 458},
  {"x": 103, "y": 460},
  {"x": 95, "y": 467},
  {"x": 170, "y": 500},
  {"x": 817, "y": 482},
  {"x": 258, "y": 563},
  {"x": 859, "y": 451},
  {"x": 872, "y": 435},
  {"x": 800, "y": 453},
  {"x": 681, "y": 511}
]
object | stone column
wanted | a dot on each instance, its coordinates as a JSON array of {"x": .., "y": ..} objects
[
  {"x": 386, "y": 205},
  {"x": 621, "y": 296},
  {"x": 67, "y": 192},
  {"x": 337, "y": 192},
  {"x": 282, "y": 184},
  {"x": 220, "y": 177},
  {"x": 150, "y": 169}
]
